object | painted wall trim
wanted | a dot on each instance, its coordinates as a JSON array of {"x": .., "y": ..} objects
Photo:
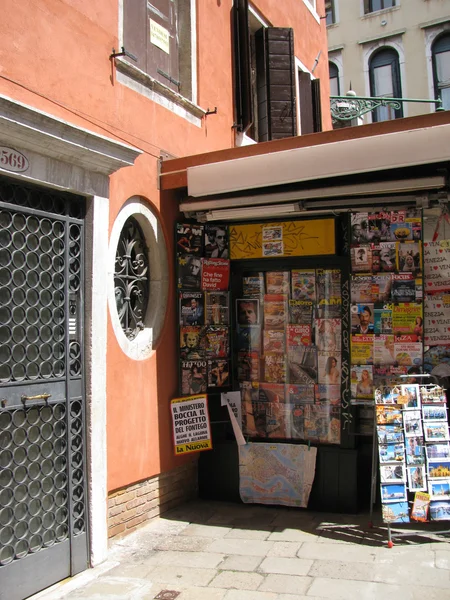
[{"x": 386, "y": 36}]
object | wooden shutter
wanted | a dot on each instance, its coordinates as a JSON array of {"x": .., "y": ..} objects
[
  {"x": 306, "y": 105},
  {"x": 163, "y": 65},
  {"x": 135, "y": 30},
  {"x": 317, "y": 106},
  {"x": 242, "y": 73},
  {"x": 276, "y": 83}
]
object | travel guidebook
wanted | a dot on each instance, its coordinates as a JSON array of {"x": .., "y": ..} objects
[
  {"x": 217, "y": 308},
  {"x": 303, "y": 284},
  {"x": 421, "y": 506},
  {"x": 300, "y": 312}
]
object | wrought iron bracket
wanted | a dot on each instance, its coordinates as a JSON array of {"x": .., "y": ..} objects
[
  {"x": 347, "y": 108},
  {"x": 211, "y": 112},
  {"x": 123, "y": 52}
]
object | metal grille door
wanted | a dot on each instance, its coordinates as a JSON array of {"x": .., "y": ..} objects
[{"x": 42, "y": 463}]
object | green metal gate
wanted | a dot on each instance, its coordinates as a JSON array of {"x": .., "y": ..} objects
[{"x": 43, "y": 516}]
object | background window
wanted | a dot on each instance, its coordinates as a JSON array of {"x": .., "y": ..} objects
[
  {"x": 374, "y": 5},
  {"x": 384, "y": 71},
  {"x": 441, "y": 69},
  {"x": 334, "y": 80},
  {"x": 329, "y": 12}
]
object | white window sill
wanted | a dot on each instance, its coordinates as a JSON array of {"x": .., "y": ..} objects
[
  {"x": 139, "y": 81},
  {"x": 377, "y": 13}
]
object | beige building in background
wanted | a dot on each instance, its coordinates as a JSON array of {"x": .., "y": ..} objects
[{"x": 396, "y": 48}]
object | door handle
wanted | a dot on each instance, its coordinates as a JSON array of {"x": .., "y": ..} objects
[{"x": 45, "y": 397}]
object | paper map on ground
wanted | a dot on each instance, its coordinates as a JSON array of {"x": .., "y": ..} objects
[{"x": 276, "y": 473}]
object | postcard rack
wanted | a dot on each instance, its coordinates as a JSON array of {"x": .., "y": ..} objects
[{"x": 411, "y": 457}]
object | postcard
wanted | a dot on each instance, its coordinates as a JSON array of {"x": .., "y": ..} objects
[
  {"x": 438, "y": 469},
  {"x": 391, "y": 453},
  {"x": 439, "y": 489},
  {"x": 395, "y": 512},
  {"x": 421, "y": 506},
  {"x": 434, "y": 412},
  {"x": 392, "y": 473},
  {"x": 415, "y": 451},
  {"x": 391, "y": 492},
  {"x": 437, "y": 451},
  {"x": 412, "y": 422},
  {"x": 389, "y": 415},
  {"x": 411, "y": 392},
  {"x": 390, "y": 434},
  {"x": 417, "y": 481},
  {"x": 432, "y": 395},
  {"x": 435, "y": 431},
  {"x": 440, "y": 511}
]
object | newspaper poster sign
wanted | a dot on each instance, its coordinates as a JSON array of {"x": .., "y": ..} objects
[{"x": 191, "y": 426}]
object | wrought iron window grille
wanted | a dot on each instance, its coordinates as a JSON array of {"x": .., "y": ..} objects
[{"x": 131, "y": 278}]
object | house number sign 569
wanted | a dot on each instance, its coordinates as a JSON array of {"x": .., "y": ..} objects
[{"x": 12, "y": 160}]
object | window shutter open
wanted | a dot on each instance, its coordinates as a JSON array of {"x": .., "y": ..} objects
[
  {"x": 317, "y": 106},
  {"x": 306, "y": 105},
  {"x": 134, "y": 30},
  {"x": 276, "y": 83},
  {"x": 162, "y": 47},
  {"x": 242, "y": 74}
]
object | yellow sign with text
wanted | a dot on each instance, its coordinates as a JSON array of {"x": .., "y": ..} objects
[{"x": 288, "y": 238}]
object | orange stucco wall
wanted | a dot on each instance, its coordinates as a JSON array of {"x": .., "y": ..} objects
[{"x": 54, "y": 56}]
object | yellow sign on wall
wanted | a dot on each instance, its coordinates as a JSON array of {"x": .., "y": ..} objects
[{"x": 288, "y": 238}]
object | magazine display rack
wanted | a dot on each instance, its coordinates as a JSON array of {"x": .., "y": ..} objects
[{"x": 412, "y": 452}]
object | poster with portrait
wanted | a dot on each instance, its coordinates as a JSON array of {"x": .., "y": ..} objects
[
  {"x": 216, "y": 241},
  {"x": 189, "y": 239},
  {"x": 247, "y": 311}
]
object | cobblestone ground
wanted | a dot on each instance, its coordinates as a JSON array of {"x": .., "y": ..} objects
[{"x": 222, "y": 551}]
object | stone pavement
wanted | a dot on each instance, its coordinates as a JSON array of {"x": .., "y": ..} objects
[{"x": 223, "y": 551}]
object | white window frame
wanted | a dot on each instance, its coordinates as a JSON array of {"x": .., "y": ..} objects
[
  {"x": 336, "y": 13},
  {"x": 431, "y": 33},
  {"x": 336, "y": 58},
  {"x": 396, "y": 43},
  {"x": 311, "y": 6},
  {"x": 299, "y": 66},
  {"x": 378, "y": 12},
  {"x": 131, "y": 76}
]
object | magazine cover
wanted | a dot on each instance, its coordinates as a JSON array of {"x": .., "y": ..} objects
[
  {"x": 296, "y": 413},
  {"x": 272, "y": 402},
  {"x": 189, "y": 239},
  {"x": 362, "y": 385},
  {"x": 383, "y": 350},
  {"x": 362, "y": 348},
  {"x": 247, "y": 311},
  {"x": 192, "y": 342},
  {"x": 253, "y": 286},
  {"x": 189, "y": 271},
  {"x": 248, "y": 366},
  {"x": 380, "y": 227},
  {"x": 415, "y": 450},
  {"x": 381, "y": 287},
  {"x": 274, "y": 367},
  {"x": 401, "y": 232},
  {"x": 303, "y": 284},
  {"x": 328, "y": 285},
  {"x": 300, "y": 312},
  {"x": 298, "y": 335},
  {"x": 300, "y": 394},
  {"x": 388, "y": 375},
  {"x": 275, "y": 311},
  {"x": 361, "y": 257},
  {"x": 395, "y": 512},
  {"x": 382, "y": 319},
  {"x": 277, "y": 282},
  {"x": 274, "y": 340},
  {"x": 216, "y": 241},
  {"x": 360, "y": 232},
  {"x": 421, "y": 506},
  {"x": 329, "y": 368},
  {"x": 193, "y": 377},
  {"x": 248, "y": 338},
  {"x": 328, "y": 334},
  {"x": 329, "y": 309},
  {"x": 404, "y": 287},
  {"x": 328, "y": 393},
  {"x": 191, "y": 308},
  {"x": 215, "y": 273},
  {"x": 317, "y": 423},
  {"x": 218, "y": 373},
  {"x": 408, "y": 354},
  {"x": 302, "y": 365},
  {"x": 409, "y": 257},
  {"x": 249, "y": 398},
  {"x": 217, "y": 308},
  {"x": 407, "y": 320},
  {"x": 216, "y": 342},
  {"x": 362, "y": 319},
  {"x": 361, "y": 288},
  {"x": 388, "y": 254}
]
